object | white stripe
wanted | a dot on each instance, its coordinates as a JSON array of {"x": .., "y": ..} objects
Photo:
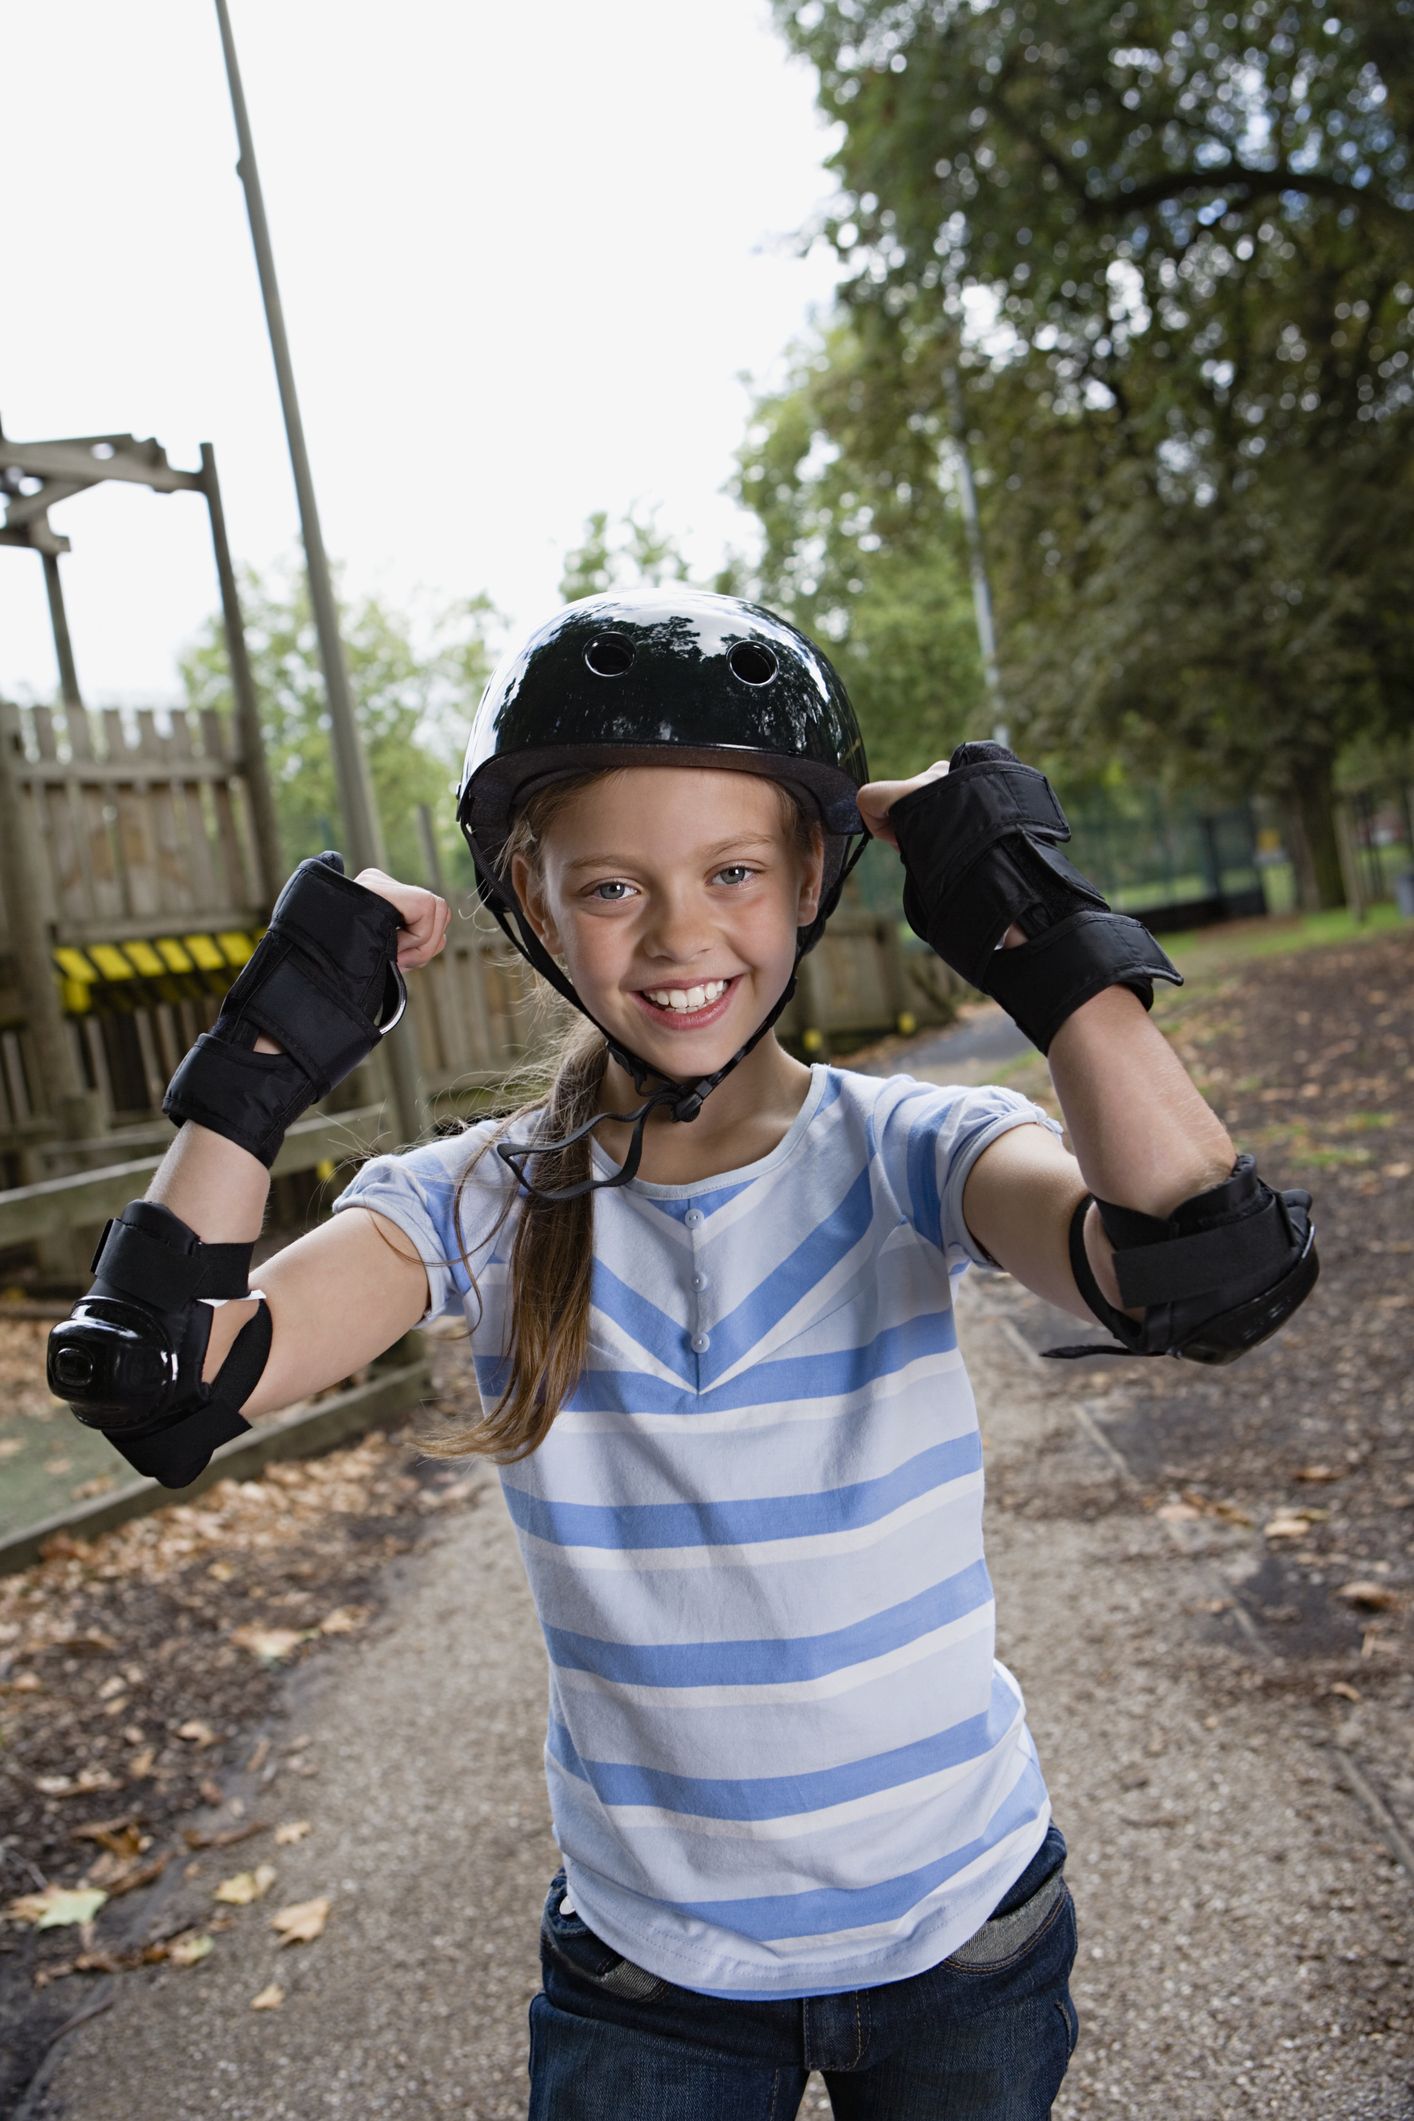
[
  {"x": 757, "y": 1553},
  {"x": 630, "y": 1818},
  {"x": 569, "y": 1679},
  {"x": 769, "y": 1414}
]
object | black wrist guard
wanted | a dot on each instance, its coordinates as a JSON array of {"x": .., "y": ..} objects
[
  {"x": 1214, "y": 1278},
  {"x": 323, "y": 983},
  {"x": 979, "y": 853},
  {"x": 129, "y": 1359}
]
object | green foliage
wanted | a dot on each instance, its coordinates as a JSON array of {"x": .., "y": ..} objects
[
  {"x": 1183, "y": 240},
  {"x": 638, "y": 553},
  {"x": 862, "y": 547},
  {"x": 415, "y": 681}
]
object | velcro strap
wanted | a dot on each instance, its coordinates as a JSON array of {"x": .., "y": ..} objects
[
  {"x": 963, "y": 813},
  {"x": 1043, "y": 981},
  {"x": 1205, "y": 1261},
  {"x": 141, "y": 1265}
]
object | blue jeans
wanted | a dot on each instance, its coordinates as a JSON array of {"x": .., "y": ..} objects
[{"x": 986, "y": 2035}]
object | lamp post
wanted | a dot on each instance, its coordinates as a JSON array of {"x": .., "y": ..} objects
[{"x": 360, "y": 819}]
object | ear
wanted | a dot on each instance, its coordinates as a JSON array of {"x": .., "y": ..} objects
[
  {"x": 812, "y": 877},
  {"x": 531, "y": 895}
]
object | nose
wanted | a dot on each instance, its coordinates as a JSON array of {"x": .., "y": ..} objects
[{"x": 678, "y": 928}]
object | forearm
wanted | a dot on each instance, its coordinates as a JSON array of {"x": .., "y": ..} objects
[
  {"x": 217, "y": 1188},
  {"x": 1139, "y": 1128}
]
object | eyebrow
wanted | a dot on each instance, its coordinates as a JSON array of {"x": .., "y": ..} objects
[{"x": 744, "y": 839}]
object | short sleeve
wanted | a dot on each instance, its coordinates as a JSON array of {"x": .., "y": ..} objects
[
  {"x": 933, "y": 1135},
  {"x": 418, "y": 1190}
]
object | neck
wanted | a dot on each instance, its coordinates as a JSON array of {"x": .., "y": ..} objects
[{"x": 740, "y": 1122}]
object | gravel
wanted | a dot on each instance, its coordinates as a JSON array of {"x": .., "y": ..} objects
[{"x": 1241, "y": 1950}]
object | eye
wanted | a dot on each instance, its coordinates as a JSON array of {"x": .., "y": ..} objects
[
  {"x": 610, "y": 883},
  {"x": 740, "y": 869}
]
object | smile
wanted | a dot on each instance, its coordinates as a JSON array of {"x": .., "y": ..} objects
[{"x": 687, "y": 1008}]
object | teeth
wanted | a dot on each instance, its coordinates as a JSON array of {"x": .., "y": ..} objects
[{"x": 682, "y": 1000}]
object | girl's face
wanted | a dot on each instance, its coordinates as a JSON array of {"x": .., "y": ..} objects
[{"x": 673, "y": 895}]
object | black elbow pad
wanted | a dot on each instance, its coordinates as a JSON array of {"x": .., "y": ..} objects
[
  {"x": 1215, "y": 1277},
  {"x": 129, "y": 1358}
]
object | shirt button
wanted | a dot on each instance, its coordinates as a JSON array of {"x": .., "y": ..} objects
[
  {"x": 692, "y": 1218},
  {"x": 699, "y": 1281},
  {"x": 700, "y": 1343}
]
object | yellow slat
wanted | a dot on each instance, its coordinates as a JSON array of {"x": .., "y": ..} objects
[{"x": 145, "y": 959}]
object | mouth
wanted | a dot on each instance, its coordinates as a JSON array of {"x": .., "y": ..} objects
[{"x": 691, "y": 1008}]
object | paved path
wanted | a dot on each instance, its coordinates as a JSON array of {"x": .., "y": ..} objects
[{"x": 1240, "y": 1954}]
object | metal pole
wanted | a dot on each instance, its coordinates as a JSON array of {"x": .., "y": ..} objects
[
  {"x": 63, "y": 646},
  {"x": 355, "y": 794},
  {"x": 264, "y": 822},
  {"x": 976, "y": 553}
]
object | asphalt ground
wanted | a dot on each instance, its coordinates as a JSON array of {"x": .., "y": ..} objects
[{"x": 1242, "y": 1952}]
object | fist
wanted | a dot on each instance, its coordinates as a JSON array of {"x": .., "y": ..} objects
[
  {"x": 425, "y": 918},
  {"x": 877, "y": 798}
]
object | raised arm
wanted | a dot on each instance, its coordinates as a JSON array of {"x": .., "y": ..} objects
[
  {"x": 1173, "y": 1241},
  {"x": 171, "y": 1344}
]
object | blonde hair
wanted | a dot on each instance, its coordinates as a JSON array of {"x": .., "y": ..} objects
[{"x": 552, "y": 1250}]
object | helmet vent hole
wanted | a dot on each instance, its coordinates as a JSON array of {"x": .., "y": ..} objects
[
  {"x": 752, "y": 663},
  {"x": 609, "y": 655}
]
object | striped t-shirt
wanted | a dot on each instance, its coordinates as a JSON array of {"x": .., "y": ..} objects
[{"x": 782, "y": 1758}]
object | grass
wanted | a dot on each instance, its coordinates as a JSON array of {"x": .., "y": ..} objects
[{"x": 1203, "y": 950}]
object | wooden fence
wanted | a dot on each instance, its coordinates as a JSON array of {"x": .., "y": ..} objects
[{"x": 136, "y": 878}]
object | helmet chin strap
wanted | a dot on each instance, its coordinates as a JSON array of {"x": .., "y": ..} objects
[{"x": 683, "y": 1100}]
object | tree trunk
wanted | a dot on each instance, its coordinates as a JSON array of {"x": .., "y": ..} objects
[{"x": 1309, "y": 809}]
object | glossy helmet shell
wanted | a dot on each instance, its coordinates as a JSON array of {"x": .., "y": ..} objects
[{"x": 673, "y": 676}]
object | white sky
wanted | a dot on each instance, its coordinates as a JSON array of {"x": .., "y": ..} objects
[{"x": 524, "y": 252}]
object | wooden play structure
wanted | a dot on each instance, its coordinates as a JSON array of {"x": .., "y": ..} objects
[{"x": 139, "y": 860}]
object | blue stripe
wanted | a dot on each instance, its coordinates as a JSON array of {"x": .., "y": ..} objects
[
  {"x": 802, "y": 1377},
  {"x": 650, "y": 1328},
  {"x": 741, "y": 1522},
  {"x": 775, "y": 1660},
  {"x": 831, "y": 1908},
  {"x": 923, "y": 1180},
  {"x": 816, "y": 1256},
  {"x": 708, "y": 1203},
  {"x": 782, "y": 1796}
]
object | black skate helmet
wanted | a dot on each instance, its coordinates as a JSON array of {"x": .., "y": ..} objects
[{"x": 642, "y": 677}]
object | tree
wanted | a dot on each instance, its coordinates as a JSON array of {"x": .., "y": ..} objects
[
  {"x": 1194, "y": 402},
  {"x": 639, "y": 553},
  {"x": 416, "y": 681},
  {"x": 862, "y": 544}
]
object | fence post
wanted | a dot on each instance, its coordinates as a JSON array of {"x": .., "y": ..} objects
[{"x": 59, "y": 1091}]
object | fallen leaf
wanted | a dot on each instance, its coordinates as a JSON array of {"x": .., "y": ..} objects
[
  {"x": 343, "y": 1619},
  {"x": 291, "y": 1830},
  {"x": 1379, "y": 1597},
  {"x": 57, "y": 1904},
  {"x": 302, "y": 1922},
  {"x": 270, "y": 1643},
  {"x": 1177, "y": 1512},
  {"x": 1346, "y": 1691},
  {"x": 245, "y": 1886},
  {"x": 1293, "y": 1524},
  {"x": 196, "y": 1732},
  {"x": 1317, "y": 1473},
  {"x": 191, "y": 1946},
  {"x": 269, "y": 1999}
]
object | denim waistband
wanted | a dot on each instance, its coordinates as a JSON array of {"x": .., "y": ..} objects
[{"x": 1048, "y": 1858}]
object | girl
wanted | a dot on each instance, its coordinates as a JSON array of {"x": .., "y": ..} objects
[{"x": 803, "y": 1821}]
